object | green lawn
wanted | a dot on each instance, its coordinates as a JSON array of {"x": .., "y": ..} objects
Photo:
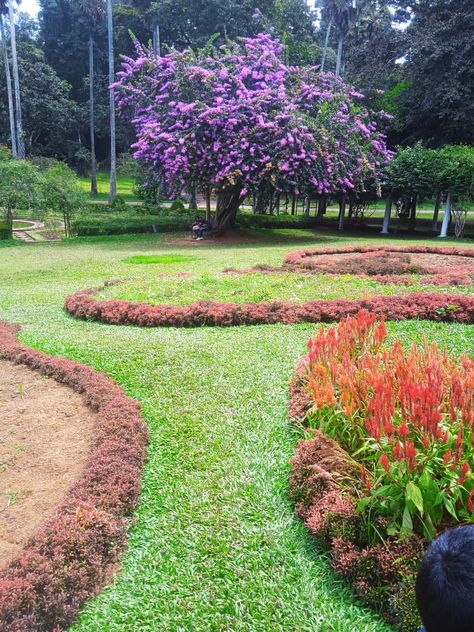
[
  {"x": 124, "y": 187},
  {"x": 215, "y": 545}
]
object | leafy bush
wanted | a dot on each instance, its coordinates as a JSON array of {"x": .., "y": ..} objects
[
  {"x": 407, "y": 417},
  {"x": 105, "y": 224},
  {"x": 440, "y": 307}
]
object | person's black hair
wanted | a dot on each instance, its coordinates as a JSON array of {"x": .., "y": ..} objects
[{"x": 445, "y": 583}]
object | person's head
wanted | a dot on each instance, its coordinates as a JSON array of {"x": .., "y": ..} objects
[
  {"x": 445, "y": 583},
  {"x": 198, "y": 218}
]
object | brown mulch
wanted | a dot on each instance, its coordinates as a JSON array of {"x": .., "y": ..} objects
[
  {"x": 46, "y": 433},
  {"x": 419, "y": 258},
  {"x": 227, "y": 239}
]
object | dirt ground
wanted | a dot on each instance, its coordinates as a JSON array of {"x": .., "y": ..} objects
[
  {"x": 422, "y": 259},
  {"x": 46, "y": 432}
]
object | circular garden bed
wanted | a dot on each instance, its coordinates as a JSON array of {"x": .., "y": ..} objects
[
  {"x": 67, "y": 557},
  {"x": 389, "y": 461},
  {"x": 390, "y": 264}
]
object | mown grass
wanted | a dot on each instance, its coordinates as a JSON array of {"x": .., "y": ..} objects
[
  {"x": 125, "y": 187},
  {"x": 215, "y": 545}
]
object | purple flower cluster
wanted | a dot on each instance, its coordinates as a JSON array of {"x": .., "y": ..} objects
[{"x": 240, "y": 116}]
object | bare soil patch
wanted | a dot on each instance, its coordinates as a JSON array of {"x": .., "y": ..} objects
[
  {"x": 422, "y": 261},
  {"x": 46, "y": 433},
  {"x": 227, "y": 239}
]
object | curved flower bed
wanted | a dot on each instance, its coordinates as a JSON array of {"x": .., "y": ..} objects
[
  {"x": 387, "y": 264},
  {"x": 67, "y": 560},
  {"x": 390, "y": 459},
  {"x": 423, "y": 306}
]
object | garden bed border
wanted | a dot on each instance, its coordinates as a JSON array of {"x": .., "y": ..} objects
[{"x": 68, "y": 559}]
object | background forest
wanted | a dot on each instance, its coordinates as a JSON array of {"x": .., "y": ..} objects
[{"x": 410, "y": 58}]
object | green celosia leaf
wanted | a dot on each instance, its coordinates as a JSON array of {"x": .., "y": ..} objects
[{"x": 413, "y": 493}]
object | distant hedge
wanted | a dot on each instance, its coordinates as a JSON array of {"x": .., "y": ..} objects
[{"x": 107, "y": 224}]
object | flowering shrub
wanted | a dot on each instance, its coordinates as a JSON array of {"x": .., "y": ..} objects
[
  {"x": 67, "y": 559},
  {"x": 407, "y": 417},
  {"x": 390, "y": 461},
  {"x": 439, "y": 307},
  {"x": 237, "y": 118}
]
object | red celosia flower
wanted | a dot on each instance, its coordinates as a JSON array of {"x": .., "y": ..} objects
[{"x": 385, "y": 463}]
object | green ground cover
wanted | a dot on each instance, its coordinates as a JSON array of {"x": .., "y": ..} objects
[
  {"x": 124, "y": 186},
  {"x": 215, "y": 546}
]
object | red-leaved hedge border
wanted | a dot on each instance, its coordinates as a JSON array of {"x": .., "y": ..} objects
[
  {"x": 67, "y": 560},
  {"x": 423, "y": 306},
  {"x": 455, "y": 275},
  {"x": 383, "y": 575}
]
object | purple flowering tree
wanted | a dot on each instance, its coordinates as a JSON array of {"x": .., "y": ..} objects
[{"x": 238, "y": 120}]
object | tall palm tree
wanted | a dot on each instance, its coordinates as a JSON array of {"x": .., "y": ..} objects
[
  {"x": 341, "y": 14},
  {"x": 11, "y": 111},
  {"x": 94, "y": 12},
  {"x": 113, "y": 156},
  {"x": 20, "y": 143}
]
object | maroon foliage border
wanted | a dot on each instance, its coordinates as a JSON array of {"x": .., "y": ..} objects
[
  {"x": 298, "y": 257},
  {"x": 423, "y": 306},
  {"x": 68, "y": 559}
]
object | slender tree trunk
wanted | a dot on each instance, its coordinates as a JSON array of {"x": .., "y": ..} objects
[
  {"x": 322, "y": 206},
  {"x": 277, "y": 204},
  {"x": 340, "y": 47},
  {"x": 413, "y": 208},
  {"x": 208, "y": 204},
  {"x": 157, "y": 41},
  {"x": 192, "y": 198},
  {"x": 306, "y": 203},
  {"x": 91, "y": 117},
  {"x": 342, "y": 212},
  {"x": 434, "y": 225},
  {"x": 113, "y": 152},
  {"x": 326, "y": 44},
  {"x": 20, "y": 144},
  {"x": 254, "y": 201},
  {"x": 386, "y": 217},
  {"x": 228, "y": 202},
  {"x": 293, "y": 204},
  {"x": 8, "y": 77},
  {"x": 446, "y": 217}
]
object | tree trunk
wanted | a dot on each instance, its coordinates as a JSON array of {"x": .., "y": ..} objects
[
  {"x": 342, "y": 212},
  {"x": 306, "y": 205},
  {"x": 277, "y": 204},
  {"x": 208, "y": 204},
  {"x": 322, "y": 206},
  {"x": 293, "y": 204},
  {"x": 20, "y": 144},
  {"x": 192, "y": 198},
  {"x": 113, "y": 156},
  {"x": 157, "y": 41},
  {"x": 386, "y": 217},
  {"x": 434, "y": 225},
  {"x": 11, "y": 111},
  {"x": 413, "y": 208},
  {"x": 94, "y": 191},
  {"x": 340, "y": 46},
  {"x": 326, "y": 44},
  {"x": 228, "y": 202},
  {"x": 254, "y": 201},
  {"x": 446, "y": 217}
]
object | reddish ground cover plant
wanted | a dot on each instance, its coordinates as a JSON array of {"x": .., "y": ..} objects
[
  {"x": 425, "y": 306},
  {"x": 391, "y": 458},
  {"x": 389, "y": 264},
  {"x": 67, "y": 560}
]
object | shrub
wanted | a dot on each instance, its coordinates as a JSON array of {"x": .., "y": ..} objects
[
  {"x": 408, "y": 417},
  {"x": 127, "y": 224},
  {"x": 365, "y": 481},
  {"x": 67, "y": 560},
  {"x": 439, "y": 307}
]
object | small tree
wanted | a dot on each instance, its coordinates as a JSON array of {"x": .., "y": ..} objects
[
  {"x": 21, "y": 189},
  {"x": 63, "y": 193},
  {"x": 238, "y": 119}
]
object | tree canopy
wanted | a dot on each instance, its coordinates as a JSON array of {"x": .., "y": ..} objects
[{"x": 238, "y": 118}]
